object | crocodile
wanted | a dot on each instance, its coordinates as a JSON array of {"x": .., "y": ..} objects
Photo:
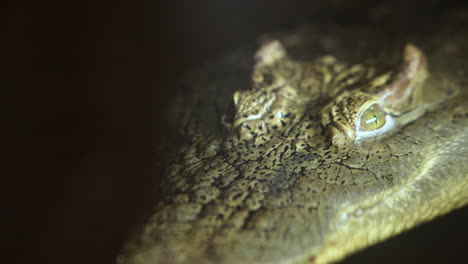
[{"x": 303, "y": 150}]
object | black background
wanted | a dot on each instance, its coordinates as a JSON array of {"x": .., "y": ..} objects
[{"x": 85, "y": 83}]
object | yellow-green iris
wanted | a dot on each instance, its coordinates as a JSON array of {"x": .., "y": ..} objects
[{"x": 373, "y": 118}]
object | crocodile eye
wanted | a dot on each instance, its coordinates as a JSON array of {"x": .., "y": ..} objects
[
  {"x": 372, "y": 118},
  {"x": 229, "y": 115}
]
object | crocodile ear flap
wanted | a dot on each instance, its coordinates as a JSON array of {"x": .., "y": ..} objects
[
  {"x": 400, "y": 95},
  {"x": 269, "y": 53}
]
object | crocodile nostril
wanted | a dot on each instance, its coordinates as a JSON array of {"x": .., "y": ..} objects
[{"x": 267, "y": 78}]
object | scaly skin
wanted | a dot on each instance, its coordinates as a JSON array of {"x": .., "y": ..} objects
[{"x": 289, "y": 173}]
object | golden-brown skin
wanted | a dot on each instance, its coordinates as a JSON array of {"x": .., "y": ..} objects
[{"x": 315, "y": 160}]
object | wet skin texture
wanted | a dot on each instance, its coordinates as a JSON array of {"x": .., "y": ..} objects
[{"x": 317, "y": 155}]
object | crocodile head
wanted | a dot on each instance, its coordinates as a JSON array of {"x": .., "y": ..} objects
[{"x": 319, "y": 159}]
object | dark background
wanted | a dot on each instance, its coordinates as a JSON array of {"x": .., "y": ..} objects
[{"x": 85, "y": 84}]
